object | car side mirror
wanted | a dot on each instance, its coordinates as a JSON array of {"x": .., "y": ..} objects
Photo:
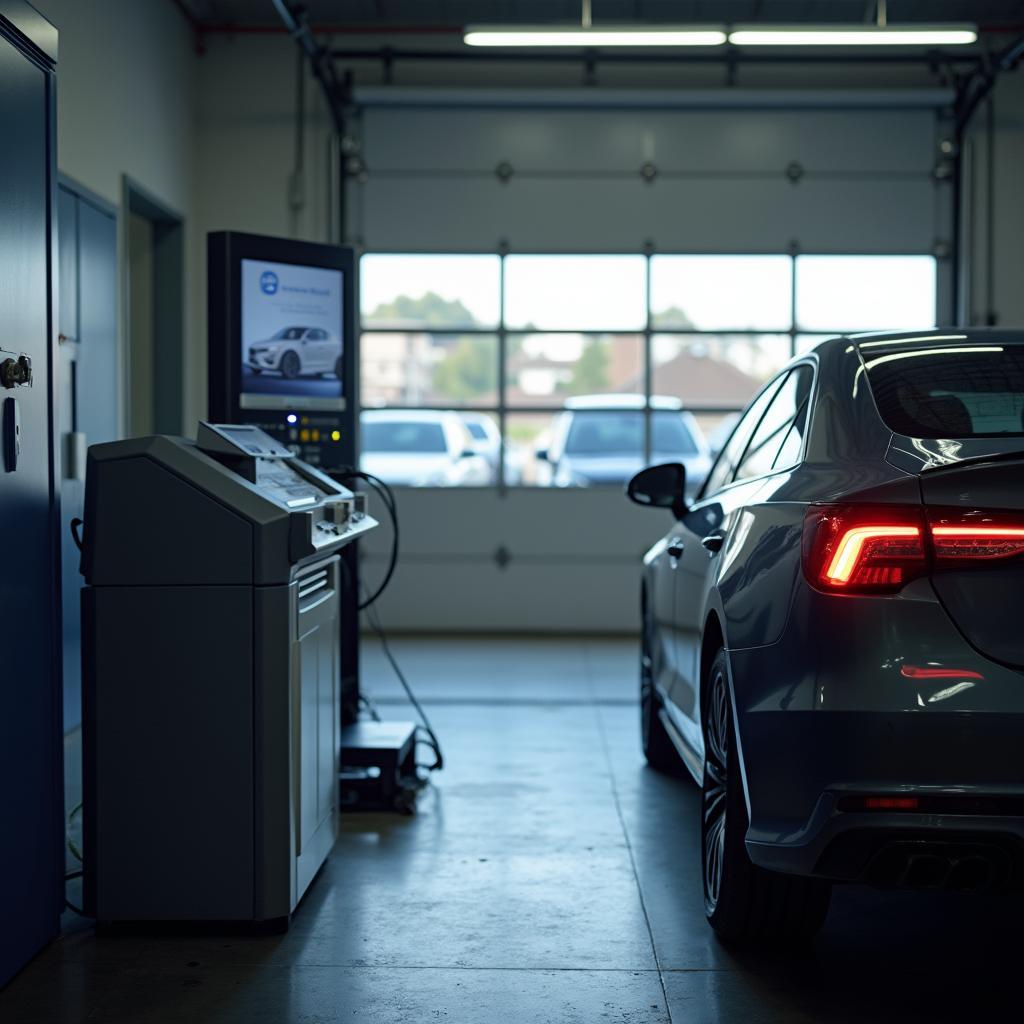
[
  {"x": 467, "y": 453},
  {"x": 660, "y": 487},
  {"x": 541, "y": 454}
]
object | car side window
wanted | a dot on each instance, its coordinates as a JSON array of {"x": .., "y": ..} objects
[
  {"x": 780, "y": 427},
  {"x": 722, "y": 471}
]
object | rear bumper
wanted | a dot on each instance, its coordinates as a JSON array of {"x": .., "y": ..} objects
[
  {"x": 828, "y": 711},
  {"x": 800, "y": 765}
]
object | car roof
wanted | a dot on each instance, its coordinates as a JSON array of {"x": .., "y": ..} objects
[
  {"x": 406, "y": 415},
  {"x": 937, "y": 335},
  {"x": 621, "y": 402}
]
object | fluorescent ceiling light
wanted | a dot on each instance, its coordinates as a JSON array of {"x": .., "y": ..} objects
[
  {"x": 606, "y": 35},
  {"x": 853, "y": 35}
]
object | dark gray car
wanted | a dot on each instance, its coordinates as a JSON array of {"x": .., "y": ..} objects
[{"x": 831, "y": 635}]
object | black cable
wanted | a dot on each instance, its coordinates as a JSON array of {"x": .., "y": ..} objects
[
  {"x": 68, "y": 875},
  {"x": 432, "y": 740},
  {"x": 387, "y": 496},
  {"x": 74, "y": 909},
  {"x": 75, "y": 535}
]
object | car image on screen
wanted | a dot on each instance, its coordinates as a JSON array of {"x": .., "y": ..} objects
[
  {"x": 831, "y": 641},
  {"x": 297, "y": 351}
]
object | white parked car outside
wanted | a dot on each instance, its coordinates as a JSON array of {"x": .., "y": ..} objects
[
  {"x": 421, "y": 448},
  {"x": 486, "y": 439},
  {"x": 297, "y": 352}
]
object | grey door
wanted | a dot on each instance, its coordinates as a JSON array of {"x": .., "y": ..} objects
[
  {"x": 87, "y": 399},
  {"x": 30, "y": 864}
]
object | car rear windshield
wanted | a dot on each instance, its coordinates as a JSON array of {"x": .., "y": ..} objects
[
  {"x": 950, "y": 392},
  {"x": 477, "y": 430},
  {"x": 619, "y": 433},
  {"x": 399, "y": 436}
]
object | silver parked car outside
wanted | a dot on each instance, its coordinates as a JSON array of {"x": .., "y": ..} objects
[
  {"x": 297, "y": 352},
  {"x": 599, "y": 439},
  {"x": 831, "y": 634}
]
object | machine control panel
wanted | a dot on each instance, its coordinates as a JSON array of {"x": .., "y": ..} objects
[{"x": 323, "y": 512}]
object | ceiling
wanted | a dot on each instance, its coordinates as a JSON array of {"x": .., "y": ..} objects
[{"x": 439, "y": 15}]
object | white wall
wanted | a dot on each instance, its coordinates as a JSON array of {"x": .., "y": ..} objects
[{"x": 126, "y": 88}]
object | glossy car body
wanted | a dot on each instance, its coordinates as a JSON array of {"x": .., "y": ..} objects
[
  {"x": 877, "y": 734},
  {"x": 579, "y": 453},
  {"x": 297, "y": 351},
  {"x": 420, "y": 448}
]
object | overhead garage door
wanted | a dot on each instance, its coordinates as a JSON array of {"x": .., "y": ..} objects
[{"x": 523, "y": 251}]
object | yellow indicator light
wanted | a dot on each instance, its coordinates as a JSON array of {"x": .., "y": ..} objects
[
  {"x": 303, "y": 435},
  {"x": 335, "y": 435},
  {"x": 316, "y": 435}
]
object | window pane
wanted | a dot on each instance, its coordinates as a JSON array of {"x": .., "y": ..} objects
[
  {"x": 576, "y": 293},
  {"x": 865, "y": 293},
  {"x": 935, "y": 391},
  {"x": 721, "y": 292},
  {"x": 423, "y": 448},
  {"x": 545, "y": 369},
  {"x": 784, "y": 417},
  {"x": 416, "y": 368},
  {"x": 715, "y": 369},
  {"x": 736, "y": 444},
  {"x": 429, "y": 291}
]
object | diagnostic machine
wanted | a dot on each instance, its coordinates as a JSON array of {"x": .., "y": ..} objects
[{"x": 211, "y": 682}]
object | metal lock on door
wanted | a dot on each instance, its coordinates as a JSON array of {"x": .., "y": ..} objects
[{"x": 15, "y": 371}]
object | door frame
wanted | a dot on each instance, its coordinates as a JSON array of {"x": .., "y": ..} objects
[{"x": 168, "y": 305}]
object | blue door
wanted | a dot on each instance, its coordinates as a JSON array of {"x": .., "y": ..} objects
[{"x": 31, "y": 883}]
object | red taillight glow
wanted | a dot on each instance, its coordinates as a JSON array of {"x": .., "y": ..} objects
[
  {"x": 863, "y": 549},
  {"x": 933, "y": 672},
  {"x": 890, "y": 803},
  {"x": 971, "y": 542},
  {"x": 873, "y": 549}
]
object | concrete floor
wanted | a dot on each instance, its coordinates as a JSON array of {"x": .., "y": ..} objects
[{"x": 549, "y": 876}]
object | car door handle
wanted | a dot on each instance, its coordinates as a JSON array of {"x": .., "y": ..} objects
[
  {"x": 675, "y": 547},
  {"x": 713, "y": 542}
]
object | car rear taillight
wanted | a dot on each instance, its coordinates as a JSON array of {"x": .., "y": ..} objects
[
  {"x": 863, "y": 549},
  {"x": 966, "y": 535},
  {"x": 878, "y": 549}
]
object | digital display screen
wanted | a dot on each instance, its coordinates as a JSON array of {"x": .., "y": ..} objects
[{"x": 291, "y": 337}]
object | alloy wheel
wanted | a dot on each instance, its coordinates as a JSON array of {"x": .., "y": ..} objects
[{"x": 713, "y": 809}]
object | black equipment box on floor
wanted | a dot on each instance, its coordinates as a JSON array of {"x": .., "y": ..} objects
[{"x": 378, "y": 766}]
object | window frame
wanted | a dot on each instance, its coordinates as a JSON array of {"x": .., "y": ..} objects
[{"x": 501, "y": 410}]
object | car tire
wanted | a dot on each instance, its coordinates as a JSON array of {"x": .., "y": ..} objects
[
  {"x": 658, "y": 748},
  {"x": 290, "y": 366},
  {"x": 743, "y": 902}
]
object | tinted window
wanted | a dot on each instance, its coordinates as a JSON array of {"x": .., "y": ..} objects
[
  {"x": 399, "y": 436},
  {"x": 477, "y": 430},
  {"x": 289, "y": 333},
  {"x": 622, "y": 433},
  {"x": 721, "y": 472},
  {"x": 783, "y": 420},
  {"x": 951, "y": 392}
]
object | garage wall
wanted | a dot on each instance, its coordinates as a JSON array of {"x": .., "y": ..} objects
[{"x": 991, "y": 272}]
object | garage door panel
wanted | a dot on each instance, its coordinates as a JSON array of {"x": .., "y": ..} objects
[
  {"x": 575, "y": 524},
  {"x": 683, "y": 214},
  {"x": 589, "y": 141},
  {"x": 439, "y": 594}
]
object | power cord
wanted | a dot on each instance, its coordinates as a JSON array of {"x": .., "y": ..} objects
[{"x": 425, "y": 732}]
